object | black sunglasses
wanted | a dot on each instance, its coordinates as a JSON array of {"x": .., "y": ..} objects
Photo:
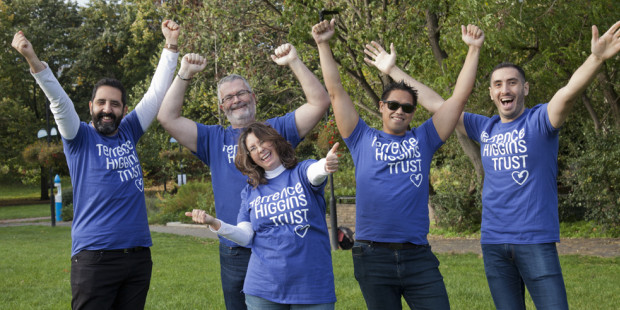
[{"x": 394, "y": 105}]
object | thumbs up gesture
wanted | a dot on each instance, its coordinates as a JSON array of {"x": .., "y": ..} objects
[{"x": 331, "y": 160}]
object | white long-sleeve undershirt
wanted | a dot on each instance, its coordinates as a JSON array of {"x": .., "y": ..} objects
[
  {"x": 242, "y": 233},
  {"x": 64, "y": 111}
]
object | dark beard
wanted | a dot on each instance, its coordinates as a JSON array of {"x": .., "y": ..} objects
[{"x": 106, "y": 129}]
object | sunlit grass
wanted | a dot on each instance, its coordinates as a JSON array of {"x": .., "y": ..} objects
[
  {"x": 16, "y": 190},
  {"x": 35, "y": 267},
  {"x": 25, "y": 211}
]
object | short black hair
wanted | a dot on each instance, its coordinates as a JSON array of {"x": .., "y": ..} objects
[
  {"x": 508, "y": 65},
  {"x": 112, "y": 83},
  {"x": 387, "y": 90}
]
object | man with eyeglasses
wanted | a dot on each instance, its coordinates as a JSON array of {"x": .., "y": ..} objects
[
  {"x": 216, "y": 145},
  {"x": 391, "y": 254}
]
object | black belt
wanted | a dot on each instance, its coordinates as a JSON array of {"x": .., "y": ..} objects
[
  {"x": 392, "y": 245},
  {"x": 129, "y": 250}
]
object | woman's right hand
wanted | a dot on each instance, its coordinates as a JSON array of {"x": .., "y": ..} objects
[{"x": 201, "y": 217}]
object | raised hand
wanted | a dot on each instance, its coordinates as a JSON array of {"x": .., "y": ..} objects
[
  {"x": 331, "y": 160},
  {"x": 609, "y": 44},
  {"x": 472, "y": 35},
  {"x": 284, "y": 54},
  {"x": 380, "y": 58},
  {"x": 22, "y": 45},
  {"x": 323, "y": 31},
  {"x": 191, "y": 64},
  {"x": 201, "y": 217},
  {"x": 171, "y": 31}
]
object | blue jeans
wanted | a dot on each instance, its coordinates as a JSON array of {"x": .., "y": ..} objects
[
  {"x": 384, "y": 275},
  {"x": 509, "y": 266},
  {"x": 258, "y": 303},
  {"x": 233, "y": 267}
]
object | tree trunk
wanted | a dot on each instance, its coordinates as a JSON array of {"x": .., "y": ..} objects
[
  {"x": 471, "y": 149},
  {"x": 595, "y": 119},
  {"x": 44, "y": 187},
  {"x": 610, "y": 95},
  {"x": 432, "y": 24}
]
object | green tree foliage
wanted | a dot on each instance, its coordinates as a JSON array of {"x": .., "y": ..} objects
[
  {"x": 50, "y": 26},
  {"x": 549, "y": 38}
]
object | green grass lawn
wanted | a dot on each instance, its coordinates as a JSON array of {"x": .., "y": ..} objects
[
  {"x": 35, "y": 270},
  {"x": 17, "y": 190},
  {"x": 25, "y": 211}
]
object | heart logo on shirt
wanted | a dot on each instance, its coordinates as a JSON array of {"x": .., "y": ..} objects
[
  {"x": 301, "y": 230},
  {"x": 416, "y": 179},
  {"x": 140, "y": 184},
  {"x": 520, "y": 176}
]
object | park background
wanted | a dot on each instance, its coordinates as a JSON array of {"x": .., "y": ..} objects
[{"x": 122, "y": 39}]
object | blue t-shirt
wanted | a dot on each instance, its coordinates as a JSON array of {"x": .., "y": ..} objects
[
  {"x": 217, "y": 148},
  {"x": 109, "y": 210},
  {"x": 291, "y": 255},
  {"x": 519, "y": 198},
  {"x": 391, "y": 174}
]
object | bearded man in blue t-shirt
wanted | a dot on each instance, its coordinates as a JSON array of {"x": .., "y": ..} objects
[
  {"x": 391, "y": 254},
  {"x": 216, "y": 145},
  {"x": 519, "y": 150},
  {"x": 110, "y": 257}
]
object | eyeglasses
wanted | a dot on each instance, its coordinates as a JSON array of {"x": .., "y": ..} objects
[
  {"x": 242, "y": 95},
  {"x": 262, "y": 144},
  {"x": 394, "y": 105}
]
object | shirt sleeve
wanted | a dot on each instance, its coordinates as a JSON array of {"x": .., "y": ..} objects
[
  {"x": 148, "y": 107},
  {"x": 473, "y": 124},
  {"x": 286, "y": 126},
  {"x": 316, "y": 172},
  {"x": 61, "y": 105},
  {"x": 241, "y": 234}
]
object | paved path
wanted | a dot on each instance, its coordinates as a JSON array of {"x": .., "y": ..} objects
[{"x": 603, "y": 247}]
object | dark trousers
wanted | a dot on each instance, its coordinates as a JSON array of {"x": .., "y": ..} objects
[
  {"x": 110, "y": 279},
  {"x": 385, "y": 274}
]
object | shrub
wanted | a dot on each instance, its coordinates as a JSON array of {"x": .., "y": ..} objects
[
  {"x": 455, "y": 192},
  {"x": 67, "y": 212},
  {"x": 193, "y": 195},
  {"x": 67, "y": 204},
  {"x": 592, "y": 175}
]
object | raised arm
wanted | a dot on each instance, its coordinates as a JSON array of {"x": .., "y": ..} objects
[
  {"x": 310, "y": 113},
  {"x": 150, "y": 103},
  {"x": 23, "y": 46},
  {"x": 450, "y": 112},
  {"x": 386, "y": 63},
  {"x": 61, "y": 105},
  {"x": 182, "y": 129},
  {"x": 602, "y": 48},
  {"x": 344, "y": 110}
]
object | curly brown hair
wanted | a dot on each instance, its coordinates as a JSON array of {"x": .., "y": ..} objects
[{"x": 265, "y": 133}]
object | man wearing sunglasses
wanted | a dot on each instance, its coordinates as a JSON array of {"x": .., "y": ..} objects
[
  {"x": 519, "y": 148},
  {"x": 391, "y": 256},
  {"x": 216, "y": 145}
]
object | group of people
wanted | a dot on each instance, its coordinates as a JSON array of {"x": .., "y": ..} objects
[{"x": 274, "y": 244}]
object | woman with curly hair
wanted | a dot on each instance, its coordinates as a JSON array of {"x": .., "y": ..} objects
[{"x": 282, "y": 216}]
